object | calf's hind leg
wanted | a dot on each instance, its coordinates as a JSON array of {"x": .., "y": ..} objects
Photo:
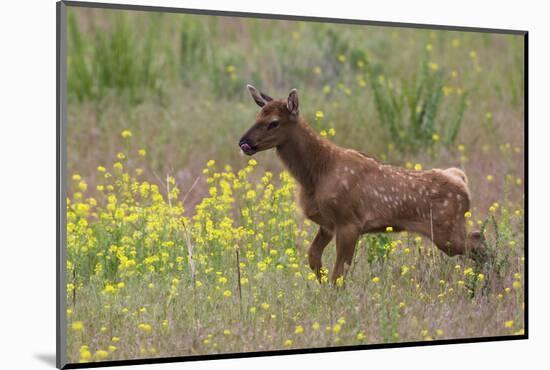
[{"x": 346, "y": 239}]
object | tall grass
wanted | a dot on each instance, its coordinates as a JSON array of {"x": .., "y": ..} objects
[
  {"x": 120, "y": 60},
  {"x": 413, "y": 112}
]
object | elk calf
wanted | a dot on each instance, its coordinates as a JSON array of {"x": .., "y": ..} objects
[{"x": 348, "y": 193}]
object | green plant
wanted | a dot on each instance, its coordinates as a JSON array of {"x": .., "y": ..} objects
[
  {"x": 114, "y": 60},
  {"x": 411, "y": 110},
  {"x": 80, "y": 78}
]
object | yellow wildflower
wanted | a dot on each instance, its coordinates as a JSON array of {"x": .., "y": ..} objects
[
  {"x": 146, "y": 328},
  {"x": 77, "y": 326},
  {"x": 126, "y": 134}
]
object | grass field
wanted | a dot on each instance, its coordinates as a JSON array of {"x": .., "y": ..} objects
[{"x": 178, "y": 245}]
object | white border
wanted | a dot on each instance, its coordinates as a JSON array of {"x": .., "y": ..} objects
[{"x": 28, "y": 181}]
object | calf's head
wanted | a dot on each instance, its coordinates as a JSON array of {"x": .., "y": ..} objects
[{"x": 274, "y": 122}]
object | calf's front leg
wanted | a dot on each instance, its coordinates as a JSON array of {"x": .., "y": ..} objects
[{"x": 315, "y": 252}]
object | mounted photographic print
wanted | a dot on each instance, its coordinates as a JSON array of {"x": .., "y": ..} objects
[{"x": 235, "y": 184}]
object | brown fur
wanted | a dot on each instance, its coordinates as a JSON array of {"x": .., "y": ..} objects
[{"x": 348, "y": 193}]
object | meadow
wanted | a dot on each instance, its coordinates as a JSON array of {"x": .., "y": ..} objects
[{"x": 179, "y": 245}]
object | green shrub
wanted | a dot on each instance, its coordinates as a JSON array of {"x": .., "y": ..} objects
[
  {"x": 414, "y": 112},
  {"x": 120, "y": 60}
]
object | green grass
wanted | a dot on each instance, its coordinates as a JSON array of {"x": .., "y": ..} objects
[
  {"x": 409, "y": 112},
  {"x": 122, "y": 60}
]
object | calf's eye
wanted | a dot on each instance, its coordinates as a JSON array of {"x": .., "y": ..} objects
[{"x": 273, "y": 124}]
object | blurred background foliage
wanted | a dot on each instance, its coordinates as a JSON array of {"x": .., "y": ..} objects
[{"x": 177, "y": 81}]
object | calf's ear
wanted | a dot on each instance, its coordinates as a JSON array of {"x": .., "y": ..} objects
[
  {"x": 292, "y": 102},
  {"x": 259, "y": 97}
]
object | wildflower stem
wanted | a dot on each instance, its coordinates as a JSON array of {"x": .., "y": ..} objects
[
  {"x": 74, "y": 286},
  {"x": 186, "y": 235},
  {"x": 189, "y": 252},
  {"x": 189, "y": 191},
  {"x": 432, "y": 229},
  {"x": 168, "y": 190},
  {"x": 239, "y": 279}
]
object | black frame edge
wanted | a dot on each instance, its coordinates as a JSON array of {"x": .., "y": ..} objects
[
  {"x": 58, "y": 363},
  {"x": 61, "y": 97},
  {"x": 526, "y": 180}
]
